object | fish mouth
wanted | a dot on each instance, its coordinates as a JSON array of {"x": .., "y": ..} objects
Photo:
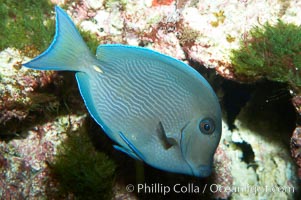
[{"x": 199, "y": 170}]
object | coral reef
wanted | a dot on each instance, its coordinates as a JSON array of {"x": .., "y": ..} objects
[
  {"x": 19, "y": 93},
  {"x": 270, "y": 174},
  {"x": 296, "y": 148},
  {"x": 253, "y": 159},
  {"x": 25, "y": 171}
]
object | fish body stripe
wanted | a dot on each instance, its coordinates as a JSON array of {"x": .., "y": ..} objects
[{"x": 138, "y": 91}]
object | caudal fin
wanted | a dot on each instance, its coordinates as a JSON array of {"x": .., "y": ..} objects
[{"x": 67, "y": 51}]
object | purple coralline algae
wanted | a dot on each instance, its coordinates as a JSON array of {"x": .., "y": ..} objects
[
  {"x": 24, "y": 163},
  {"x": 17, "y": 89}
]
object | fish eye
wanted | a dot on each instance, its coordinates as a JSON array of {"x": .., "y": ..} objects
[{"x": 207, "y": 126}]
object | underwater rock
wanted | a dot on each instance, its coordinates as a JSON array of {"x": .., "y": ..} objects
[
  {"x": 296, "y": 148},
  {"x": 203, "y": 31},
  {"x": 24, "y": 163},
  {"x": 222, "y": 24},
  {"x": 297, "y": 103},
  {"x": 18, "y": 88},
  {"x": 295, "y": 143},
  {"x": 135, "y": 23},
  {"x": 222, "y": 175},
  {"x": 95, "y": 4},
  {"x": 252, "y": 166}
]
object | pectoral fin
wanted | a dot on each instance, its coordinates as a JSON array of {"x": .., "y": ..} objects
[
  {"x": 133, "y": 152},
  {"x": 166, "y": 142}
]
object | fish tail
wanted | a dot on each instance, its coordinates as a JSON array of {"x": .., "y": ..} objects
[{"x": 68, "y": 51}]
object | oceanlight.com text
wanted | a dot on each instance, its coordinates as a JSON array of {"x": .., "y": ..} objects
[{"x": 192, "y": 188}]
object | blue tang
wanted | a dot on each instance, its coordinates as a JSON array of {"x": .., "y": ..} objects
[{"x": 156, "y": 108}]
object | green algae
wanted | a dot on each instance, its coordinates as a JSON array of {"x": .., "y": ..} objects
[
  {"x": 272, "y": 52},
  {"x": 81, "y": 170},
  {"x": 22, "y": 24},
  {"x": 29, "y": 26}
]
